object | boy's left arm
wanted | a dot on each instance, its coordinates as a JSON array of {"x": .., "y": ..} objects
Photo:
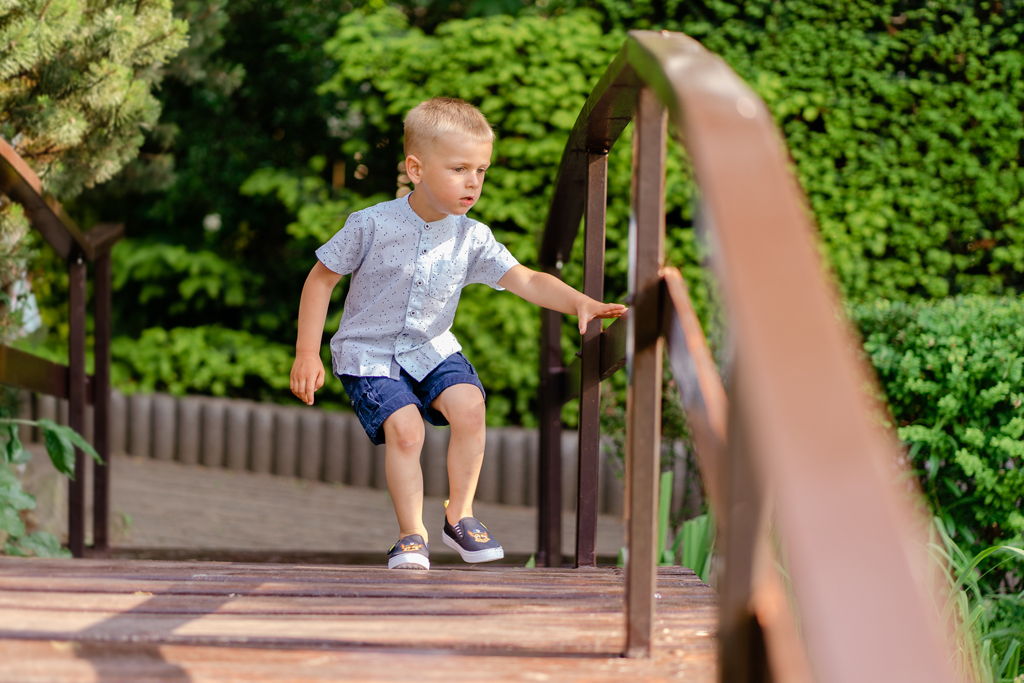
[{"x": 550, "y": 292}]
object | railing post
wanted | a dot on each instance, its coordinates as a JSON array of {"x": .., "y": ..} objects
[
  {"x": 76, "y": 400},
  {"x": 590, "y": 365},
  {"x": 101, "y": 402},
  {"x": 549, "y": 469},
  {"x": 741, "y": 648},
  {"x": 644, "y": 351}
]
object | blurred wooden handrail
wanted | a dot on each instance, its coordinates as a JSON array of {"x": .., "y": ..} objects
[
  {"x": 32, "y": 373},
  {"x": 21, "y": 184},
  {"x": 700, "y": 387}
]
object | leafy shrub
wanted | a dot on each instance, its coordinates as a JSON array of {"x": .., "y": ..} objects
[
  {"x": 953, "y": 373},
  {"x": 204, "y": 360},
  {"x": 16, "y": 538},
  {"x": 175, "y": 278}
]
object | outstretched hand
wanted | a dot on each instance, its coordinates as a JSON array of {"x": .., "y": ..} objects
[
  {"x": 307, "y": 376},
  {"x": 590, "y": 309}
]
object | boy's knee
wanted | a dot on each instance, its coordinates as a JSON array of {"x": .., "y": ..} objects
[
  {"x": 469, "y": 419},
  {"x": 404, "y": 430}
]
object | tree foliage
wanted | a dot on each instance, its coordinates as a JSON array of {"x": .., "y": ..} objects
[{"x": 77, "y": 84}]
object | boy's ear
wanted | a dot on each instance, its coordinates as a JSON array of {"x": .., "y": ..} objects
[{"x": 413, "y": 168}]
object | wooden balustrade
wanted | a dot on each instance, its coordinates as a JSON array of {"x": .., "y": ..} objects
[
  {"x": 793, "y": 461},
  {"x": 26, "y": 371}
]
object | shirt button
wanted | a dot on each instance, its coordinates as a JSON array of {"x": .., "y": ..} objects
[{"x": 419, "y": 282}]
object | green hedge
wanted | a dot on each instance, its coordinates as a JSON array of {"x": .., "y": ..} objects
[
  {"x": 953, "y": 373},
  {"x": 204, "y": 360}
]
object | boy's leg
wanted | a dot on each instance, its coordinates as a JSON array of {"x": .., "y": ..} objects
[
  {"x": 403, "y": 434},
  {"x": 463, "y": 407}
]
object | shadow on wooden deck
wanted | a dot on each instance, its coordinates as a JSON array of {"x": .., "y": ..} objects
[{"x": 85, "y": 620}]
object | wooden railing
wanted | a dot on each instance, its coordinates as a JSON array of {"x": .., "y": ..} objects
[
  {"x": 795, "y": 465},
  {"x": 70, "y": 382}
]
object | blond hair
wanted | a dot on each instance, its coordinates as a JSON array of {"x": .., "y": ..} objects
[{"x": 432, "y": 118}]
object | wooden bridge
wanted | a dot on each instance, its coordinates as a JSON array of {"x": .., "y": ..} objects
[{"x": 821, "y": 571}]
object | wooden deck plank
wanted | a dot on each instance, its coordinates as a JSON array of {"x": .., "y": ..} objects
[
  {"x": 33, "y": 661},
  {"x": 63, "y": 620}
]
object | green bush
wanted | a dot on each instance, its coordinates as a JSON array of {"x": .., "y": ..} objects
[
  {"x": 203, "y": 360},
  {"x": 953, "y": 373},
  {"x": 16, "y": 537}
]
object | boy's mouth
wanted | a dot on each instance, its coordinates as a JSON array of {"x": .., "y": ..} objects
[{"x": 468, "y": 200}]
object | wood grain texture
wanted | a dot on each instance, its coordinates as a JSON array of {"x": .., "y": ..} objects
[{"x": 79, "y": 620}]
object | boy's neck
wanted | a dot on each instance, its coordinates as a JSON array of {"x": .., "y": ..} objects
[{"x": 424, "y": 212}]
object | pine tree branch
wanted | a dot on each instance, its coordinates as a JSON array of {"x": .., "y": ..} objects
[
  {"x": 45, "y": 8},
  {"x": 152, "y": 41}
]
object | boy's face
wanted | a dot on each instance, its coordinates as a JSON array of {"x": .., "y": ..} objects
[{"x": 448, "y": 175}]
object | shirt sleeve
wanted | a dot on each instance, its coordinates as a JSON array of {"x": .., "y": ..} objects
[
  {"x": 490, "y": 260},
  {"x": 344, "y": 252}
]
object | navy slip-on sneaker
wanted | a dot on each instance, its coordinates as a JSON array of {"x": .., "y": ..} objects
[
  {"x": 470, "y": 539},
  {"x": 410, "y": 552}
]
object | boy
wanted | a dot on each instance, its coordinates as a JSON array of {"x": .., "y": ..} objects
[{"x": 394, "y": 352}]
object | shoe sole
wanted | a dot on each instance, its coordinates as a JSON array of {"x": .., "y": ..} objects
[
  {"x": 409, "y": 561},
  {"x": 473, "y": 556}
]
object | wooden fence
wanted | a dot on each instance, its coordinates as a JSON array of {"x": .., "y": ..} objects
[{"x": 328, "y": 446}]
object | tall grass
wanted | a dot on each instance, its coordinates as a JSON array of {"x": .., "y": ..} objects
[
  {"x": 693, "y": 544},
  {"x": 990, "y": 624}
]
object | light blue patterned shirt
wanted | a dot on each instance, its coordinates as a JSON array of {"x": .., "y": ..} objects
[{"x": 407, "y": 276}]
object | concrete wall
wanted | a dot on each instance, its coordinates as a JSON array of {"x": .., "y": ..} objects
[{"x": 315, "y": 444}]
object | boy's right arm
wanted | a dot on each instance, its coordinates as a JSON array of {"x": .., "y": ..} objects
[{"x": 308, "y": 370}]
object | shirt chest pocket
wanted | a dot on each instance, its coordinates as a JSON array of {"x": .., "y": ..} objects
[{"x": 445, "y": 280}]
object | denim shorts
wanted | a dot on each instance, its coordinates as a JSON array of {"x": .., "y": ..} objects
[{"x": 376, "y": 398}]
